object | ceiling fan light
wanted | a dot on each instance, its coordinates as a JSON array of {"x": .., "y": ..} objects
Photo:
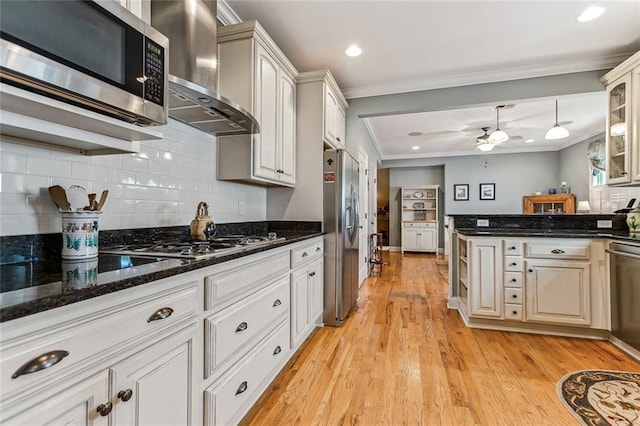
[
  {"x": 556, "y": 132},
  {"x": 618, "y": 129},
  {"x": 485, "y": 147},
  {"x": 498, "y": 136}
]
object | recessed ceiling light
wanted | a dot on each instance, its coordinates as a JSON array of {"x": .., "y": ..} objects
[
  {"x": 414, "y": 133},
  {"x": 415, "y": 148},
  {"x": 529, "y": 140},
  {"x": 590, "y": 13},
  {"x": 353, "y": 51}
]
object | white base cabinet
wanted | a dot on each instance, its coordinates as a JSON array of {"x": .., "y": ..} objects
[
  {"x": 307, "y": 290},
  {"x": 485, "y": 291},
  {"x": 421, "y": 237}
]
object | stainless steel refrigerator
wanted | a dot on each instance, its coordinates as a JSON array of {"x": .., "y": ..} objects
[{"x": 340, "y": 224}]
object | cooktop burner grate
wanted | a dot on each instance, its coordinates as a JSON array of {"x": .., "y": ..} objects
[{"x": 192, "y": 249}]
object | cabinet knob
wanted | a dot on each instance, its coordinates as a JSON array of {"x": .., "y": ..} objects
[
  {"x": 514, "y": 312},
  {"x": 513, "y": 264},
  {"x": 512, "y": 248},
  {"x": 312, "y": 274},
  {"x": 160, "y": 314},
  {"x": 277, "y": 303},
  {"x": 104, "y": 409},
  {"x": 318, "y": 249},
  {"x": 515, "y": 296},
  {"x": 242, "y": 388},
  {"x": 338, "y": 139},
  {"x": 42, "y": 362},
  {"x": 304, "y": 254},
  {"x": 241, "y": 327},
  {"x": 530, "y": 269},
  {"x": 125, "y": 395},
  {"x": 513, "y": 280},
  {"x": 277, "y": 350}
]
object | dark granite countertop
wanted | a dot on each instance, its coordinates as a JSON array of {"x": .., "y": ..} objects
[{"x": 30, "y": 283}]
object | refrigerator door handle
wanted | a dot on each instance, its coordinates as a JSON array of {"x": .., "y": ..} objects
[{"x": 356, "y": 214}]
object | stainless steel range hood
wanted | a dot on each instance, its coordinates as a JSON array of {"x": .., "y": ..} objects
[{"x": 191, "y": 26}]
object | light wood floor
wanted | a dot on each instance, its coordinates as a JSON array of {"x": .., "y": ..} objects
[{"x": 403, "y": 358}]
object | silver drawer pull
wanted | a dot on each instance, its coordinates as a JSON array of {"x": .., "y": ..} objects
[
  {"x": 242, "y": 388},
  {"x": 277, "y": 303},
  {"x": 277, "y": 350},
  {"x": 104, "y": 409},
  {"x": 557, "y": 251},
  {"x": 304, "y": 254},
  {"x": 42, "y": 362},
  {"x": 241, "y": 327},
  {"x": 161, "y": 314}
]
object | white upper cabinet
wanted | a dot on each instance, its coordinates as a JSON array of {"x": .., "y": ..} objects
[
  {"x": 623, "y": 122},
  {"x": 334, "y": 118},
  {"x": 254, "y": 73}
]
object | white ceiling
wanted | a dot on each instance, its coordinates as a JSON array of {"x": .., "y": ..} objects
[{"x": 419, "y": 45}]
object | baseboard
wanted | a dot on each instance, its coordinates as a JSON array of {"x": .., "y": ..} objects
[
  {"x": 631, "y": 351},
  {"x": 395, "y": 248}
]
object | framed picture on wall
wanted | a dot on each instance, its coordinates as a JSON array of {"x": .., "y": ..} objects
[
  {"x": 487, "y": 191},
  {"x": 460, "y": 192}
]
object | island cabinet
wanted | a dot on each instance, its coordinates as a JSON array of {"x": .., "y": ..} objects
[
  {"x": 623, "y": 122},
  {"x": 534, "y": 284},
  {"x": 256, "y": 74},
  {"x": 107, "y": 363}
]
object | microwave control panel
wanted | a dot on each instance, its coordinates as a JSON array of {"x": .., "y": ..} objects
[{"x": 154, "y": 72}]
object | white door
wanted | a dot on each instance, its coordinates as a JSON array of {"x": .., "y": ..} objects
[{"x": 363, "y": 227}]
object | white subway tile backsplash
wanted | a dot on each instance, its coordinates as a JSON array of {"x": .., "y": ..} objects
[{"x": 161, "y": 187}]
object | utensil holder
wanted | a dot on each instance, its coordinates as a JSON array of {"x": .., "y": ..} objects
[{"x": 80, "y": 234}]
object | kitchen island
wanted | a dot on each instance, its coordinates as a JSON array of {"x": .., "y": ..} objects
[
  {"x": 146, "y": 340},
  {"x": 535, "y": 273}
]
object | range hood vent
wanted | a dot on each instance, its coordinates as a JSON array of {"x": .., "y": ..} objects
[{"x": 191, "y": 27}]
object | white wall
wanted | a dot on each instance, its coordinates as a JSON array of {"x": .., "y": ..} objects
[{"x": 160, "y": 186}]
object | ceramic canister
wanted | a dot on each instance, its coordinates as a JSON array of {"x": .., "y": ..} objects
[
  {"x": 633, "y": 221},
  {"x": 80, "y": 234}
]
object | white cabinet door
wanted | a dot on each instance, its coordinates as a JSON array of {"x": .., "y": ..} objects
[
  {"x": 340, "y": 127},
  {"x": 330, "y": 107},
  {"x": 77, "y": 405},
  {"x": 287, "y": 141},
  {"x": 316, "y": 290},
  {"x": 155, "y": 386},
  {"x": 299, "y": 305},
  {"x": 558, "y": 292},
  {"x": 485, "y": 291},
  {"x": 427, "y": 239},
  {"x": 409, "y": 239},
  {"x": 265, "y": 156}
]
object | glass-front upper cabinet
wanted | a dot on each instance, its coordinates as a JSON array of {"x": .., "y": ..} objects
[{"x": 617, "y": 130}]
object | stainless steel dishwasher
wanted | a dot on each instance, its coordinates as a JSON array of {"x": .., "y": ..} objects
[{"x": 625, "y": 293}]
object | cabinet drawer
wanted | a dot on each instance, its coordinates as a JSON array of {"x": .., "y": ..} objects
[
  {"x": 308, "y": 252},
  {"x": 87, "y": 340},
  {"x": 512, "y": 247},
  {"x": 243, "y": 278},
  {"x": 513, "y": 263},
  {"x": 513, "y": 312},
  {"x": 558, "y": 249},
  {"x": 420, "y": 225},
  {"x": 236, "y": 328},
  {"x": 513, "y": 295},
  {"x": 232, "y": 398},
  {"x": 513, "y": 279}
]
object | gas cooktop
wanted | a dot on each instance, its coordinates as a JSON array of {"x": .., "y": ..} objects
[{"x": 217, "y": 246}]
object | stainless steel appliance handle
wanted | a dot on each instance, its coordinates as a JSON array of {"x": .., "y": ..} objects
[
  {"x": 356, "y": 214},
  {"x": 622, "y": 253}
]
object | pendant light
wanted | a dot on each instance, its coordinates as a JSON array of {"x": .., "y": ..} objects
[
  {"x": 557, "y": 131},
  {"x": 498, "y": 136}
]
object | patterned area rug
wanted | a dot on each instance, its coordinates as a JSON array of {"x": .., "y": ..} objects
[{"x": 597, "y": 397}]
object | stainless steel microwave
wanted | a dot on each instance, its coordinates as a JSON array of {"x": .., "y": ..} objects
[{"x": 93, "y": 54}]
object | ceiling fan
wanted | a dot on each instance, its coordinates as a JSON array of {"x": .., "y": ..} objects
[{"x": 484, "y": 144}]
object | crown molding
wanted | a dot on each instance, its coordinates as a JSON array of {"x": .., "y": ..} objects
[{"x": 225, "y": 14}]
